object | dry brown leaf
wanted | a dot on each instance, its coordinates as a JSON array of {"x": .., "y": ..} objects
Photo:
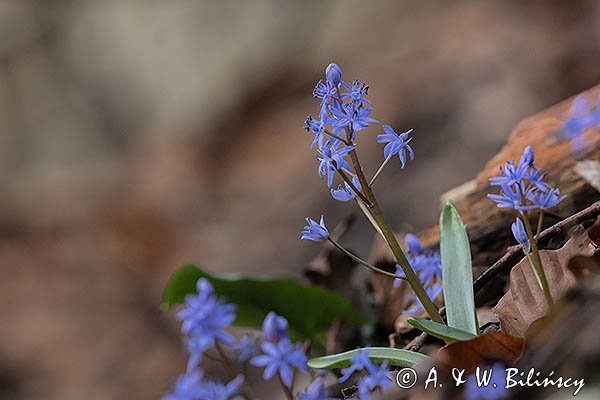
[
  {"x": 479, "y": 351},
  {"x": 524, "y": 302}
]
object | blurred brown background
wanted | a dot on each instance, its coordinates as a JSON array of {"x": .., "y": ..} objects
[{"x": 138, "y": 135}]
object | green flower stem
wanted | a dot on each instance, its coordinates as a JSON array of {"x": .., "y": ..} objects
[
  {"x": 363, "y": 262},
  {"x": 539, "y": 225},
  {"x": 537, "y": 261},
  {"x": 389, "y": 236},
  {"x": 381, "y": 167}
]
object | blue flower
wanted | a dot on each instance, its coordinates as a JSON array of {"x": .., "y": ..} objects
[
  {"x": 316, "y": 391},
  {"x": 427, "y": 266},
  {"x": 357, "y": 93},
  {"x": 523, "y": 187},
  {"x": 545, "y": 199},
  {"x": 245, "y": 348},
  {"x": 375, "y": 376},
  {"x": 281, "y": 357},
  {"x": 317, "y": 127},
  {"x": 187, "y": 387},
  {"x": 346, "y": 115},
  {"x": 191, "y": 386},
  {"x": 333, "y": 74},
  {"x": 495, "y": 388},
  {"x": 580, "y": 119},
  {"x": 360, "y": 361},
  {"x": 325, "y": 91},
  {"x": 518, "y": 231},
  {"x": 332, "y": 158},
  {"x": 396, "y": 144},
  {"x": 346, "y": 193},
  {"x": 413, "y": 243},
  {"x": 274, "y": 326},
  {"x": 204, "y": 320},
  {"x": 317, "y": 232}
]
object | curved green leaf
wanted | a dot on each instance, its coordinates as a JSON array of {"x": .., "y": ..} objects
[
  {"x": 399, "y": 357},
  {"x": 309, "y": 309},
  {"x": 457, "y": 271},
  {"x": 441, "y": 331}
]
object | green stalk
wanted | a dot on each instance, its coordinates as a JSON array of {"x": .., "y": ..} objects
[
  {"x": 390, "y": 238},
  {"x": 537, "y": 261}
]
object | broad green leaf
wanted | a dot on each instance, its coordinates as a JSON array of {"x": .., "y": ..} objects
[
  {"x": 399, "y": 357},
  {"x": 441, "y": 331},
  {"x": 309, "y": 309},
  {"x": 457, "y": 271}
]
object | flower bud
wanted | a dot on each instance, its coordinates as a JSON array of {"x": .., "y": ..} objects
[{"x": 333, "y": 74}]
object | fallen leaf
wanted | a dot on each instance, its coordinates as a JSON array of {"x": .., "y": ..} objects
[
  {"x": 524, "y": 302},
  {"x": 491, "y": 346}
]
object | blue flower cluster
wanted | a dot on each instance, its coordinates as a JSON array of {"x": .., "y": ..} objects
[
  {"x": 580, "y": 118},
  {"x": 344, "y": 111},
  {"x": 523, "y": 187},
  {"x": 280, "y": 355},
  {"x": 374, "y": 376},
  {"x": 427, "y": 266},
  {"x": 204, "y": 319}
]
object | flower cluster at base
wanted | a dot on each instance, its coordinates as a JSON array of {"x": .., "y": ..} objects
[
  {"x": 427, "y": 266},
  {"x": 373, "y": 376},
  {"x": 204, "y": 320}
]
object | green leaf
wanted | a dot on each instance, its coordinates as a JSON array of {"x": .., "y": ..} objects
[
  {"x": 309, "y": 309},
  {"x": 457, "y": 271},
  {"x": 399, "y": 357},
  {"x": 441, "y": 331}
]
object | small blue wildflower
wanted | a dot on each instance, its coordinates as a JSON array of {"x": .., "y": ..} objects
[
  {"x": 580, "y": 119},
  {"x": 245, "y": 348},
  {"x": 413, "y": 243},
  {"x": 217, "y": 391},
  {"x": 204, "y": 320},
  {"x": 545, "y": 199},
  {"x": 317, "y": 232},
  {"x": 333, "y": 74},
  {"x": 317, "y": 127},
  {"x": 357, "y": 93},
  {"x": 274, "y": 326},
  {"x": 316, "y": 391},
  {"x": 493, "y": 390},
  {"x": 520, "y": 235},
  {"x": 377, "y": 378},
  {"x": 346, "y": 115},
  {"x": 427, "y": 266},
  {"x": 187, "y": 387},
  {"x": 360, "y": 361},
  {"x": 396, "y": 144},
  {"x": 512, "y": 197},
  {"x": 331, "y": 159},
  {"x": 523, "y": 187},
  {"x": 346, "y": 193},
  {"x": 281, "y": 357},
  {"x": 325, "y": 91}
]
